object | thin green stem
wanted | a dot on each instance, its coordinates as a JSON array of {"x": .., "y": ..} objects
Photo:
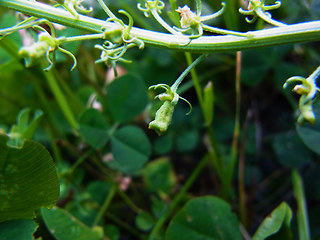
[
  {"x": 213, "y": 151},
  {"x": 315, "y": 74},
  {"x": 176, "y": 84},
  {"x": 62, "y": 101},
  {"x": 9, "y": 30},
  {"x": 106, "y": 9},
  {"x": 106, "y": 203},
  {"x": 295, "y": 33},
  {"x": 235, "y": 149},
  {"x": 163, "y": 23},
  {"x": 130, "y": 203},
  {"x": 125, "y": 226},
  {"x": 177, "y": 199},
  {"x": 174, "y": 14},
  {"x": 195, "y": 79},
  {"x": 268, "y": 19},
  {"x": 302, "y": 212},
  {"x": 80, "y": 160},
  {"x": 230, "y": 15},
  {"x": 198, "y": 4}
]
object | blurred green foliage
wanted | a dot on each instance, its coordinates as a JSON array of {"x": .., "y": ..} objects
[{"x": 113, "y": 144}]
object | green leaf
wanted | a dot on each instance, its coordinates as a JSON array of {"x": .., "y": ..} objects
[
  {"x": 290, "y": 150},
  {"x": 24, "y": 129},
  {"x": 205, "y": 218},
  {"x": 310, "y": 134},
  {"x": 131, "y": 149},
  {"x": 126, "y": 97},
  {"x": 17, "y": 230},
  {"x": 280, "y": 217},
  {"x": 63, "y": 226},
  {"x": 158, "y": 176},
  {"x": 187, "y": 140},
  {"x": 144, "y": 221},
  {"x": 94, "y": 128},
  {"x": 163, "y": 144},
  {"x": 208, "y": 102},
  {"x": 112, "y": 232},
  {"x": 28, "y": 180}
]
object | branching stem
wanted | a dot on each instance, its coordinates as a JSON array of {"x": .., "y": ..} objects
[{"x": 295, "y": 33}]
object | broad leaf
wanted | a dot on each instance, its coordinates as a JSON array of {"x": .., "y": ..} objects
[
  {"x": 144, "y": 221},
  {"x": 64, "y": 226},
  {"x": 126, "y": 97},
  {"x": 112, "y": 232},
  {"x": 280, "y": 217},
  {"x": 24, "y": 129},
  {"x": 158, "y": 176},
  {"x": 17, "y": 230},
  {"x": 28, "y": 180},
  {"x": 205, "y": 218},
  {"x": 94, "y": 128},
  {"x": 290, "y": 150},
  {"x": 131, "y": 149}
]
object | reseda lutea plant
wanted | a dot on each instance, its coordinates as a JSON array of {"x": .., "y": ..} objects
[{"x": 188, "y": 32}]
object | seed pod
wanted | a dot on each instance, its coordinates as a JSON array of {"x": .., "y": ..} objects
[{"x": 163, "y": 117}]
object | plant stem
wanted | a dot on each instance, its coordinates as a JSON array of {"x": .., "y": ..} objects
[
  {"x": 267, "y": 18},
  {"x": 80, "y": 160},
  {"x": 176, "y": 84},
  {"x": 106, "y": 203},
  {"x": 302, "y": 213},
  {"x": 125, "y": 226},
  {"x": 165, "y": 25},
  {"x": 213, "y": 151},
  {"x": 106, "y": 9},
  {"x": 63, "y": 103},
  {"x": 295, "y": 33},
  {"x": 130, "y": 203},
  {"x": 178, "y": 197}
]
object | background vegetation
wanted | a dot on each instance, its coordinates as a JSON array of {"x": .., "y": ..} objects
[{"x": 119, "y": 178}]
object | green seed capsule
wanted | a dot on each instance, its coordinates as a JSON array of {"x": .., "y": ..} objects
[{"x": 163, "y": 117}]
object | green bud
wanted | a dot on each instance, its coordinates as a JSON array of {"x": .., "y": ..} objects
[
  {"x": 307, "y": 114},
  {"x": 163, "y": 117},
  {"x": 114, "y": 36}
]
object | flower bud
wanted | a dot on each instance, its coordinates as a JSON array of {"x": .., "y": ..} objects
[
  {"x": 163, "y": 117},
  {"x": 188, "y": 18}
]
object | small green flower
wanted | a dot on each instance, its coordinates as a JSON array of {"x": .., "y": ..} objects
[
  {"x": 43, "y": 47},
  {"x": 163, "y": 118},
  {"x": 188, "y": 18},
  {"x": 164, "y": 114},
  {"x": 308, "y": 90},
  {"x": 193, "y": 23},
  {"x": 258, "y": 8}
]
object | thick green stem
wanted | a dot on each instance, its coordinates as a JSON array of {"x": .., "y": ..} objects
[{"x": 295, "y": 33}]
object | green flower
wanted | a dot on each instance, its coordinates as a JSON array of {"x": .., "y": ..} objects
[{"x": 164, "y": 114}]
